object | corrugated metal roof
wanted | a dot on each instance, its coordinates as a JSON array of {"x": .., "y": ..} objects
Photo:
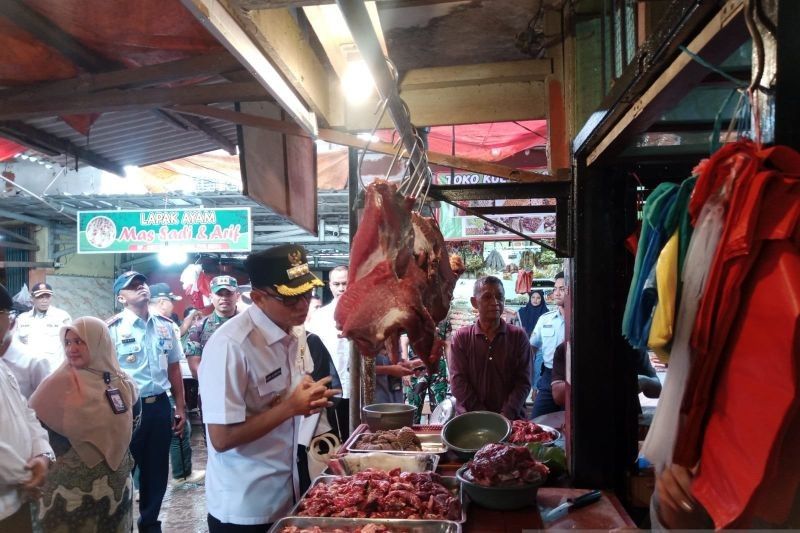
[{"x": 139, "y": 138}]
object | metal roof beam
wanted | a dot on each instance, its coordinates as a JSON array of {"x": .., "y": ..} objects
[
  {"x": 116, "y": 100},
  {"x": 193, "y": 123},
  {"x": 218, "y": 63},
  {"x": 36, "y": 138},
  {"x": 23, "y": 218}
]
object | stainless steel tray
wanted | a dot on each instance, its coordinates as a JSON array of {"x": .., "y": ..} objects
[
  {"x": 451, "y": 482},
  {"x": 431, "y": 443},
  {"x": 349, "y": 525},
  {"x": 349, "y": 464}
]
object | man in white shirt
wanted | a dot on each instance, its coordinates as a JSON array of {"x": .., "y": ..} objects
[
  {"x": 28, "y": 369},
  {"x": 256, "y": 389},
  {"x": 547, "y": 335},
  {"x": 323, "y": 324},
  {"x": 39, "y": 327},
  {"x": 25, "y": 453}
]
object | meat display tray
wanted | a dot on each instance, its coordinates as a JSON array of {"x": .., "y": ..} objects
[
  {"x": 429, "y": 462},
  {"x": 450, "y": 482},
  {"x": 348, "y": 525},
  {"x": 431, "y": 443}
]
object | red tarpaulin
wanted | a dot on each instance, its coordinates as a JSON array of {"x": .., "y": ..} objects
[
  {"x": 493, "y": 141},
  {"x": 9, "y": 149},
  {"x": 154, "y": 31}
]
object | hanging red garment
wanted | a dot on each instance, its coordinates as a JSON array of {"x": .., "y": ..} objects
[
  {"x": 731, "y": 356},
  {"x": 524, "y": 281},
  {"x": 745, "y": 453}
]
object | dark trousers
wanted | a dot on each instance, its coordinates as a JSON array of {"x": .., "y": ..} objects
[
  {"x": 215, "y": 526},
  {"x": 544, "y": 404},
  {"x": 19, "y": 522},
  {"x": 150, "y": 450},
  {"x": 180, "y": 450}
]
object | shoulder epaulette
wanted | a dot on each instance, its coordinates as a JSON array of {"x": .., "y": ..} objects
[
  {"x": 165, "y": 318},
  {"x": 114, "y": 319}
]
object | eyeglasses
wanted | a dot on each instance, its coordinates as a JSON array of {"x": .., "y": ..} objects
[
  {"x": 561, "y": 289},
  {"x": 288, "y": 301}
]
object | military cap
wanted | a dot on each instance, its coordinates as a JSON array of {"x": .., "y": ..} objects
[
  {"x": 41, "y": 288},
  {"x": 125, "y": 279},
  {"x": 162, "y": 290},
  {"x": 283, "y": 269},
  {"x": 224, "y": 282}
]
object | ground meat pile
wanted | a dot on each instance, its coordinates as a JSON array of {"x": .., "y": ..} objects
[
  {"x": 403, "y": 439},
  {"x": 378, "y": 494},
  {"x": 523, "y": 431},
  {"x": 501, "y": 465},
  {"x": 369, "y": 528}
]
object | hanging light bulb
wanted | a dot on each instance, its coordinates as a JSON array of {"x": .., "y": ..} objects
[{"x": 357, "y": 82}]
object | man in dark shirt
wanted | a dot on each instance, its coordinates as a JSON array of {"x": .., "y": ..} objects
[{"x": 490, "y": 365}]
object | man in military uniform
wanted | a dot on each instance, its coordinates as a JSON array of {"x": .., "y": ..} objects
[
  {"x": 150, "y": 352},
  {"x": 162, "y": 302},
  {"x": 224, "y": 297},
  {"x": 38, "y": 328}
]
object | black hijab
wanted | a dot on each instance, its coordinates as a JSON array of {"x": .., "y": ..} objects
[{"x": 530, "y": 314}]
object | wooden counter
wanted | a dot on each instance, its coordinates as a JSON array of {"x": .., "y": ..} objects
[{"x": 605, "y": 514}]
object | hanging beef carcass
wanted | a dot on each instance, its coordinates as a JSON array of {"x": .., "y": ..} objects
[{"x": 400, "y": 279}]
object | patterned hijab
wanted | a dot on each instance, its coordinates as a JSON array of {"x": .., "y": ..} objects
[{"x": 73, "y": 403}]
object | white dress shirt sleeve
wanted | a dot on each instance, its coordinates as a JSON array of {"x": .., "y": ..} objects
[{"x": 223, "y": 382}]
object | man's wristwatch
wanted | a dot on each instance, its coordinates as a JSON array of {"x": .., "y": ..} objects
[{"x": 50, "y": 456}]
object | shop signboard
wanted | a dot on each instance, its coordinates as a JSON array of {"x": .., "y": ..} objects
[
  {"x": 457, "y": 225},
  {"x": 225, "y": 229}
]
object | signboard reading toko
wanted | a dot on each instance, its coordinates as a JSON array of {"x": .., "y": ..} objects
[{"x": 225, "y": 229}]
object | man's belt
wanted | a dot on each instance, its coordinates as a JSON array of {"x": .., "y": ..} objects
[{"x": 154, "y": 398}]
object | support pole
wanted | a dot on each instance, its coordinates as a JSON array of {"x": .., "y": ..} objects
[{"x": 355, "y": 360}]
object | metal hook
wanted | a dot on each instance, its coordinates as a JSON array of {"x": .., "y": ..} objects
[{"x": 382, "y": 105}]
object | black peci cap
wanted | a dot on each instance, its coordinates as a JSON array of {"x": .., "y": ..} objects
[{"x": 283, "y": 269}]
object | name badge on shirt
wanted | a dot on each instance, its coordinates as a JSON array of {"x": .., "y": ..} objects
[
  {"x": 127, "y": 340},
  {"x": 272, "y": 375}
]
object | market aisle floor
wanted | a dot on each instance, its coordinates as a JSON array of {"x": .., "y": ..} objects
[{"x": 184, "y": 506}]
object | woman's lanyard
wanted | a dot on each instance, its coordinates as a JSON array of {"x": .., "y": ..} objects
[{"x": 115, "y": 399}]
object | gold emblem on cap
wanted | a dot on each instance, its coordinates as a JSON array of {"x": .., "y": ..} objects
[
  {"x": 295, "y": 258},
  {"x": 297, "y": 271}
]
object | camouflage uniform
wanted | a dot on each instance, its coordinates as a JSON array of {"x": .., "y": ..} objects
[{"x": 199, "y": 334}]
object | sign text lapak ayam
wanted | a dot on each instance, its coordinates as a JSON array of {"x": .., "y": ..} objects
[{"x": 153, "y": 230}]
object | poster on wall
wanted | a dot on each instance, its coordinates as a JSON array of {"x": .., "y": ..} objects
[
  {"x": 225, "y": 229},
  {"x": 457, "y": 225}
]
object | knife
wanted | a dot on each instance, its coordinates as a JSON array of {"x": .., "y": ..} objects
[{"x": 569, "y": 505}]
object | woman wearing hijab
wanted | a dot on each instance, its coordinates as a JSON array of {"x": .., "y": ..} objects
[
  {"x": 530, "y": 314},
  {"x": 87, "y": 407}
]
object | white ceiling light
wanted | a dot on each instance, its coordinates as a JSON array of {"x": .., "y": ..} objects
[
  {"x": 357, "y": 82},
  {"x": 171, "y": 256}
]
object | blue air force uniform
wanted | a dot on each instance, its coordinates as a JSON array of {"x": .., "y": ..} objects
[{"x": 144, "y": 350}]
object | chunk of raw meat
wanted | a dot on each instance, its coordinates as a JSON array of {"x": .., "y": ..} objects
[{"x": 400, "y": 279}]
